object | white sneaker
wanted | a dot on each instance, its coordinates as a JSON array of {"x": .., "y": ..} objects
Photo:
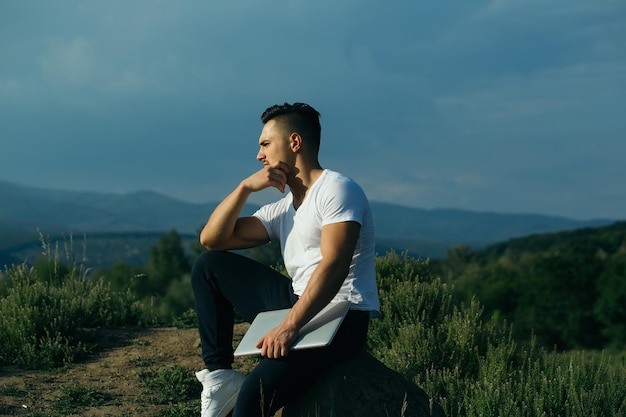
[{"x": 220, "y": 389}]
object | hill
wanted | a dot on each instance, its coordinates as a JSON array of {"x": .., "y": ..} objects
[
  {"x": 609, "y": 239},
  {"x": 567, "y": 288},
  {"x": 423, "y": 233}
]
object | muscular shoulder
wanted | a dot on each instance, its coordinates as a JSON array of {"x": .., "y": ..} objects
[
  {"x": 337, "y": 186},
  {"x": 340, "y": 198}
]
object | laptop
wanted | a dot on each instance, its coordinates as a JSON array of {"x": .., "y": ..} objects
[{"x": 318, "y": 332}]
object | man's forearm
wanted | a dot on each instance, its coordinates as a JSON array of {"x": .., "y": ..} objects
[
  {"x": 221, "y": 224},
  {"x": 218, "y": 231},
  {"x": 320, "y": 290}
]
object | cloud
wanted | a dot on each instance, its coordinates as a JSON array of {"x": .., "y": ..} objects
[
  {"x": 71, "y": 61},
  {"x": 427, "y": 103},
  {"x": 9, "y": 87}
]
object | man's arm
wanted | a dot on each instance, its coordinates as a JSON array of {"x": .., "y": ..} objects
[
  {"x": 338, "y": 241},
  {"x": 225, "y": 230}
]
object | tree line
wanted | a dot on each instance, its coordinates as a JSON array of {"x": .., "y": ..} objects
[{"x": 568, "y": 288}]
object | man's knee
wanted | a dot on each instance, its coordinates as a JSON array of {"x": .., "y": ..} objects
[
  {"x": 208, "y": 259},
  {"x": 209, "y": 256},
  {"x": 203, "y": 265}
]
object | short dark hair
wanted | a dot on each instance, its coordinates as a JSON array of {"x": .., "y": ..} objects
[{"x": 299, "y": 117}]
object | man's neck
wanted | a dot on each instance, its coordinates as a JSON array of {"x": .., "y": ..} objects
[{"x": 300, "y": 184}]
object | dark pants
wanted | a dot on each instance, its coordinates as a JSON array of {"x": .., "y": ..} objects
[{"x": 222, "y": 281}]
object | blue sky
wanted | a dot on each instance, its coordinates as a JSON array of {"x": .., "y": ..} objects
[{"x": 512, "y": 106}]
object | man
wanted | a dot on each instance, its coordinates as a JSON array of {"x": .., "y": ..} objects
[{"x": 326, "y": 233}]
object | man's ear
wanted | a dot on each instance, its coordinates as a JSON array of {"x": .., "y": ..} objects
[{"x": 295, "y": 142}]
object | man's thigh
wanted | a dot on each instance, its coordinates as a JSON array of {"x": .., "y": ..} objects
[{"x": 251, "y": 287}]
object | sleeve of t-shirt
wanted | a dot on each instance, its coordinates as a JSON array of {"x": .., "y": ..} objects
[
  {"x": 269, "y": 216},
  {"x": 343, "y": 201}
]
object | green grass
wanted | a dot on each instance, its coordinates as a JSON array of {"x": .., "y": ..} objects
[
  {"x": 170, "y": 385},
  {"x": 76, "y": 398},
  {"x": 174, "y": 386},
  {"x": 12, "y": 391},
  {"x": 182, "y": 410}
]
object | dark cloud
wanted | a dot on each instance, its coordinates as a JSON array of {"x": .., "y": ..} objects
[{"x": 466, "y": 105}]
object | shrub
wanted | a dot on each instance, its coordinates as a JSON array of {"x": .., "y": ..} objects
[
  {"x": 187, "y": 320},
  {"x": 41, "y": 320},
  {"x": 475, "y": 368}
]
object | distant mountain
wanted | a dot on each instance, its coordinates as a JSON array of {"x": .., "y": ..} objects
[
  {"x": 425, "y": 233},
  {"x": 29, "y": 208},
  {"x": 467, "y": 227}
]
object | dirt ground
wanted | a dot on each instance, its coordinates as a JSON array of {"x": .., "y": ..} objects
[{"x": 122, "y": 354}]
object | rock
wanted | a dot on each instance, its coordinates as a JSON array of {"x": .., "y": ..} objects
[{"x": 363, "y": 387}]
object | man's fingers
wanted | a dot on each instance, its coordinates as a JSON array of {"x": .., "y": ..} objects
[
  {"x": 282, "y": 166},
  {"x": 267, "y": 177},
  {"x": 278, "y": 178},
  {"x": 271, "y": 350}
]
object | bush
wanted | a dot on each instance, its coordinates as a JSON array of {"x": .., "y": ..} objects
[
  {"x": 475, "y": 368},
  {"x": 176, "y": 301},
  {"x": 41, "y": 320}
]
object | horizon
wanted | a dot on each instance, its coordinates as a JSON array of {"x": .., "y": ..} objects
[{"x": 372, "y": 201}]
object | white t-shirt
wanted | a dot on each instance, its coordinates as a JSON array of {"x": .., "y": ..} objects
[{"x": 333, "y": 198}]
